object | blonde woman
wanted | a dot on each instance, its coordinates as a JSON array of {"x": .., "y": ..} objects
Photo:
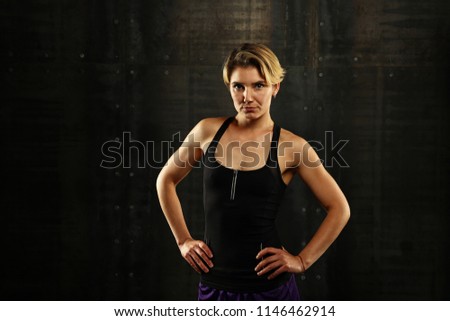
[{"x": 248, "y": 161}]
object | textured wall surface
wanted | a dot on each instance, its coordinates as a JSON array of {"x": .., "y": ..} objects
[{"x": 77, "y": 74}]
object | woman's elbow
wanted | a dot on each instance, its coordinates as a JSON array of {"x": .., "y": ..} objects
[
  {"x": 340, "y": 211},
  {"x": 164, "y": 181},
  {"x": 161, "y": 181},
  {"x": 345, "y": 212}
]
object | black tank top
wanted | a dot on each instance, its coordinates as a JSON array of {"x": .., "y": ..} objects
[{"x": 240, "y": 212}]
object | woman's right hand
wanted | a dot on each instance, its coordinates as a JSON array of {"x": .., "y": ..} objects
[{"x": 197, "y": 254}]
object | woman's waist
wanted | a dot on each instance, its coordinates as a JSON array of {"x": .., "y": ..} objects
[
  {"x": 234, "y": 258},
  {"x": 239, "y": 254},
  {"x": 240, "y": 280}
]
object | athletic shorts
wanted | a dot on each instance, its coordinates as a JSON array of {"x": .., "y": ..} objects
[{"x": 285, "y": 292}]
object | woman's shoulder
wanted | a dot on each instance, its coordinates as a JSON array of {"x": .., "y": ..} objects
[
  {"x": 292, "y": 148},
  {"x": 207, "y": 127},
  {"x": 289, "y": 138}
]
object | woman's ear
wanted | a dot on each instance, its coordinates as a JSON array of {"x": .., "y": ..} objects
[{"x": 276, "y": 89}]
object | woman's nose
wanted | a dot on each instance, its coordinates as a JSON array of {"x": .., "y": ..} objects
[{"x": 247, "y": 95}]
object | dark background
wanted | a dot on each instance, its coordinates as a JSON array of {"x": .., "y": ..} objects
[{"x": 76, "y": 74}]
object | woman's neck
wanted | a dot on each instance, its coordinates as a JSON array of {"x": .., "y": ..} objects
[{"x": 264, "y": 122}]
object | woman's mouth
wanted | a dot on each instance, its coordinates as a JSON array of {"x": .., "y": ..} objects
[{"x": 249, "y": 109}]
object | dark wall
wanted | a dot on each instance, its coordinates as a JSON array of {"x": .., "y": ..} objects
[{"x": 78, "y": 74}]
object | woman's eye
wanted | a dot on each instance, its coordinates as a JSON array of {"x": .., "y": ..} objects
[
  {"x": 237, "y": 86},
  {"x": 259, "y": 86}
]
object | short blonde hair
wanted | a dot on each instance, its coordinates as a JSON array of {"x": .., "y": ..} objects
[{"x": 255, "y": 55}]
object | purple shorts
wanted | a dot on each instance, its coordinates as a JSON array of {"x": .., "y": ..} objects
[{"x": 285, "y": 292}]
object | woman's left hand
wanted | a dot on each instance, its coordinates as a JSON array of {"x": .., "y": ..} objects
[{"x": 277, "y": 261}]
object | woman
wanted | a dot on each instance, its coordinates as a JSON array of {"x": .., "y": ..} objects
[{"x": 247, "y": 163}]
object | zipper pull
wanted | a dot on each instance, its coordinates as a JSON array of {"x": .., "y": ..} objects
[{"x": 233, "y": 184}]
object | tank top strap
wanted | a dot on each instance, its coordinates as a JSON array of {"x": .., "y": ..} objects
[
  {"x": 272, "y": 160},
  {"x": 220, "y": 132}
]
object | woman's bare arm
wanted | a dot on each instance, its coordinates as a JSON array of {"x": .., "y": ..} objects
[
  {"x": 195, "y": 252},
  {"x": 332, "y": 199},
  {"x": 326, "y": 190}
]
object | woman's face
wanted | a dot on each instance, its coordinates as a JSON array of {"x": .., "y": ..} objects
[{"x": 250, "y": 92}]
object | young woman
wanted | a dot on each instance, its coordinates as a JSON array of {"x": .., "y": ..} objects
[{"x": 248, "y": 161}]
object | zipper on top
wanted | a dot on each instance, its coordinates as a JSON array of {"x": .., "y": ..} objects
[{"x": 233, "y": 184}]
